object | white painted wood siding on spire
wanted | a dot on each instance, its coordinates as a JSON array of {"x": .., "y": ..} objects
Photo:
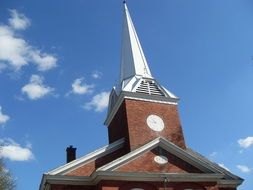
[{"x": 133, "y": 61}]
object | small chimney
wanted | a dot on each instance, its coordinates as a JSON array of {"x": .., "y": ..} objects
[{"x": 71, "y": 153}]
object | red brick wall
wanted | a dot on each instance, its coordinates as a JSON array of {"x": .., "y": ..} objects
[
  {"x": 139, "y": 133},
  {"x": 125, "y": 185},
  {"x": 130, "y": 122},
  {"x": 118, "y": 126},
  {"x": 84, "y": 170},
  {"x": 146, "y": 163},
  {"x": 142, "y": 185},
  {"x": 71, "y": 187},
  {"x": 110, "y": 157},
  {"x": 128, "y": 185},
  {"x": 87, "y": 169}
]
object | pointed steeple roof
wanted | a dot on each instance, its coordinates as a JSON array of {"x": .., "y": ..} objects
[
  {"x": 136, "y": 80},
  {"x": 135, "y": 75},
  {"x": 133, "y": 61}
]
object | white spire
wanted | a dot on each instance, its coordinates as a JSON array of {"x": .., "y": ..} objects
[
  {"x": 133, "y": 61},
  {"x": 136, "y": 81}
]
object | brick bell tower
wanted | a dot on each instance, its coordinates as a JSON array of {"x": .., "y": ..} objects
[{"x": 140, "y": 109}]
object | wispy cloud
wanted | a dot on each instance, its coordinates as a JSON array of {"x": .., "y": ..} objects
[
  {"x": 96, "y": 75},
  {"x": 223, "y": 166},
  {"x": 246, "y": 143},
  {"x": 35, "y": 89},
  {"x": 18, "y": 21},
  {"x": 3, "y": 117},
  {"x": 243, "y": 168},
  {"x": 43, "y": 61},
  {"x": 80, "y": 87},
  {"x": 98, "y": 103},
  {"x": 213, "y": 155},
  {"x": 14, "y": 151},
  {"x": 16, "y": 52}
]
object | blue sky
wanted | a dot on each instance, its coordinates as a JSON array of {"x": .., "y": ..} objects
[{"x": 60, "y": 59}]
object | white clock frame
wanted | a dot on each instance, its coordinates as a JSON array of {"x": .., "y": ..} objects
[
  {"x": 161, "y": 160},
  {"x": 155, "y": 123}
]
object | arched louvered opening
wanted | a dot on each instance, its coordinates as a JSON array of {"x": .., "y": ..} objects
[{"x": 149, "y": 87}]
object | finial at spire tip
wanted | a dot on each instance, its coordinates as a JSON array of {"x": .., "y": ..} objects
[{"x": 124, "y": 2}]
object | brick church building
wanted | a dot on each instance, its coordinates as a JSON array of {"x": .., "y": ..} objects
[{"x": 146, "y": 149}]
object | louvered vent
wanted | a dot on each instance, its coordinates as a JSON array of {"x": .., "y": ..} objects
[{"x": 149, "y": 87}]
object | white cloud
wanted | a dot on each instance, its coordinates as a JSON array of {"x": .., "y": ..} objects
[
  {"x": 80, "y": 87},
  {"x": 3, "y": 118},
  {"x": 13, "y": 50},
  {"x": 35, "y": 89},
  {"x": 243, "y": 168},
  {"x": 99, "y": 102},
  {"x": 44, "y": 61},
  {"x": 96, "y": 75},
  {"x": 245, "y": 143},
  {"x": 223, "y": 166},
  {"x": 16, "y": 52},
  {"x": 15, "y": 152},
  {"x": 18, "y": 21}
]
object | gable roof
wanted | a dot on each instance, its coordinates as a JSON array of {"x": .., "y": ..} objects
[
  {"x": 87, "y": 158},
  {"x": 188, "y": 155},
  {"x": 211, "y": 171},
  {"x": 166, "y": 145}
]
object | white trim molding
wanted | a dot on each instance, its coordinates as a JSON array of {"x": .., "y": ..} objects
[
  {"x": 96, "y": 177},
  {"x": 229, "y": 183}
]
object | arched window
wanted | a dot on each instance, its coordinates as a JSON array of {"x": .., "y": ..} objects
[
  {"x": 137, "y": 186},
  {"x": 189, "y": 186}
]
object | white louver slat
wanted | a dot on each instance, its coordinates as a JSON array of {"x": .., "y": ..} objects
[{"x": 149, "y": 87}]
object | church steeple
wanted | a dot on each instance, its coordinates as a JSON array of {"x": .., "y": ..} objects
[
  {"x": 133, "y": 61},
  {"x": 140, "y": 109},
  {"x": 136, "y": 80}
]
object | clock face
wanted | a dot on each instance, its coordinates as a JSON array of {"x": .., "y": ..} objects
[
  {"x": 155, "y": 123},
  {"x": 161, "y": 160}
]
